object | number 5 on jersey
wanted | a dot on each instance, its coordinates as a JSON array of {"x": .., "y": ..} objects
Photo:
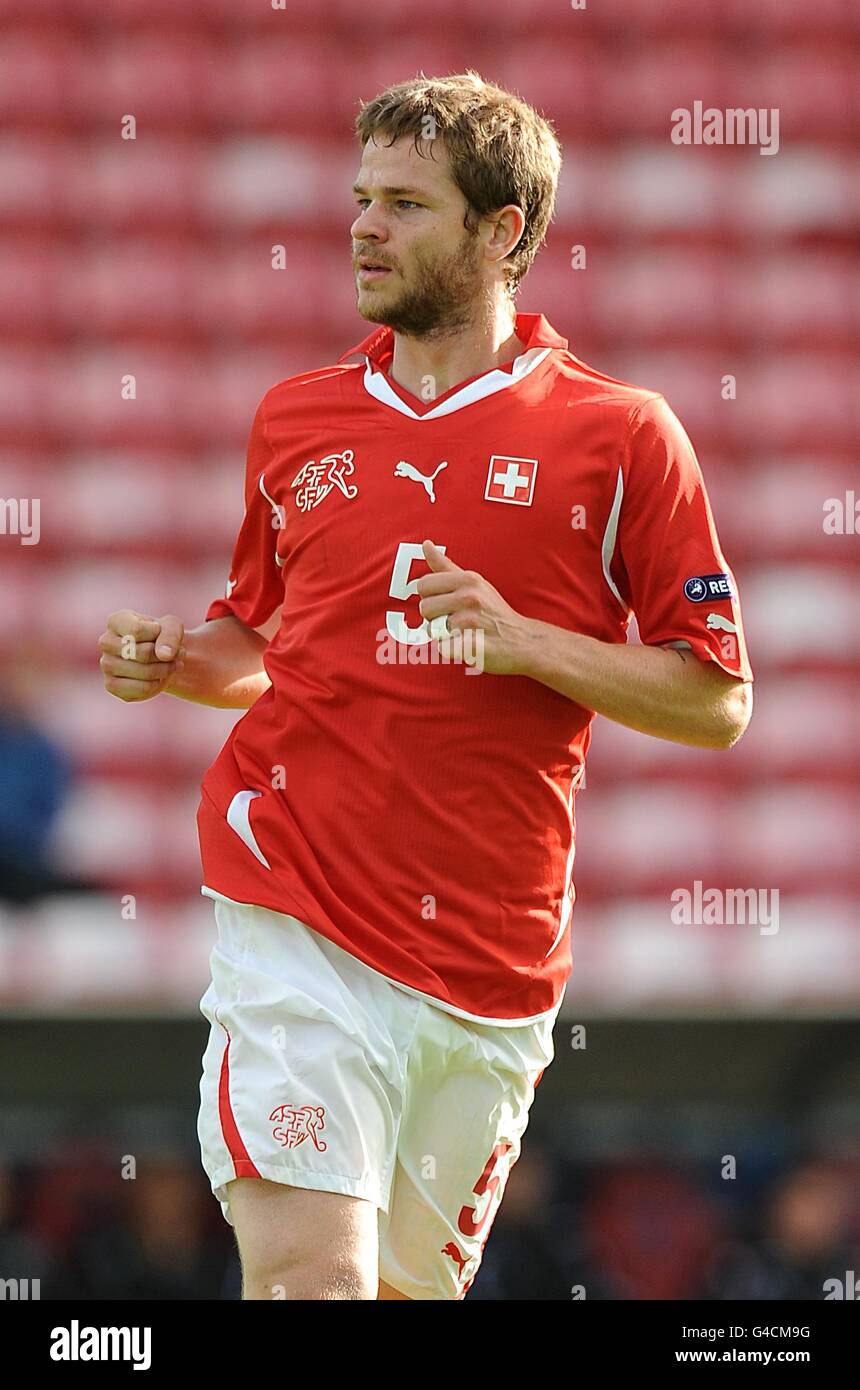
[{"x": 402, "y": 587}]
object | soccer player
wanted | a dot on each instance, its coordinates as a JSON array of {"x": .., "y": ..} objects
[{"x": 442, "y": 547}]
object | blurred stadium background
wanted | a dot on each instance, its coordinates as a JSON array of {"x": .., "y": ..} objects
[{"x": 152, "y": 257}]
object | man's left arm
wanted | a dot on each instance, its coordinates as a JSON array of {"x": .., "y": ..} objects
[
  {"x": 669, "y": 694},
  {"x": 666, "y": 693}
]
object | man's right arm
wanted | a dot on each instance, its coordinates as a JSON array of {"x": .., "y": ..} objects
[
  {"x": 223, "y": 665},
  {"x": 219, "y": 663}
]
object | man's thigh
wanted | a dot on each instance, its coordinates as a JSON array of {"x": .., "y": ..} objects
[
  {"x": 297, "y": 1243},
  {"x": 282, "y": 1233},
  {"x": 469, "y": 1089}
]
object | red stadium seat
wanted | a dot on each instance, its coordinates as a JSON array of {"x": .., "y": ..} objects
[
  {"x": 157, "y": 182},
  {"x": 38, "y": 69}
]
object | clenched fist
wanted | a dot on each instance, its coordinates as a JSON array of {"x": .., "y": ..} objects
[{"x": 140, "y": 656}]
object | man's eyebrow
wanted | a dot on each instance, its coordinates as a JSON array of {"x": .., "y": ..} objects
[{"x": 391, "y": 192}]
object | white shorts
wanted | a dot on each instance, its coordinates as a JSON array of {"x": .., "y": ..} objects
[{"x": 320, "y": 1073}]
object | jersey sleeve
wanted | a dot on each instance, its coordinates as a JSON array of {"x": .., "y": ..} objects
[
  {"x": 255, "y": 585},
  {"x": 679, "y": 585}
]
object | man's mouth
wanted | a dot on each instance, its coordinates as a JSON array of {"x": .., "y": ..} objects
[{"x": 369, "y": 269}]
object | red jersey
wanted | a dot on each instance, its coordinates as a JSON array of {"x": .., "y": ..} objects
[{"x": 417, "y": 814}]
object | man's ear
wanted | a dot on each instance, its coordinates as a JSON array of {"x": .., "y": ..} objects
[{"x": 510, "y": 221}]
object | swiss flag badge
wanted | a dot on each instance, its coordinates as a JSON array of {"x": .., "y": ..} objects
[{"x": 511, "y": 480}]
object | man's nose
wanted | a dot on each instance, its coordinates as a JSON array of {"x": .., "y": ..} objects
[{"x": 369, "y": 223}]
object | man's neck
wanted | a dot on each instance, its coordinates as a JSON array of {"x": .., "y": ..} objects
[{"x": 429, "y": 367}]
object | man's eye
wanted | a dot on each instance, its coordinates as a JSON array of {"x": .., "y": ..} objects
[{"x": 401, "y": 203}]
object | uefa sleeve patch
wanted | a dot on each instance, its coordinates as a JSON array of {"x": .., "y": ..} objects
[{"x": 702, "y": 588}]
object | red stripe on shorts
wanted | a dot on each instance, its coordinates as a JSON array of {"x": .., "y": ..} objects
[{"x": 242, "y": 1161}]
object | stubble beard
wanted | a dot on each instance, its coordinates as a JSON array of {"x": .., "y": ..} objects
[{"x": 443, "y": 297}]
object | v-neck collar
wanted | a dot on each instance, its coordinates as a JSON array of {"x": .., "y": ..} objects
[{"x": 536, "y": 334}]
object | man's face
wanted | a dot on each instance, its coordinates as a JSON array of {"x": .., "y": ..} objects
[{"x": 410, "y": 224}]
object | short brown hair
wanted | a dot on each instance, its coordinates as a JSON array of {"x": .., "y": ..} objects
[{"x": 501, "y": 150}]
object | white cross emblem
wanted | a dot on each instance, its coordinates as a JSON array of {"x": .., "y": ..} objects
[{"x": 511, "y": 480}]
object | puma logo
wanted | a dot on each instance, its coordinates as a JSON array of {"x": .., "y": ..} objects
[
  {"x": 717, "y": 620},
  {"x": 407, "y": 470},
  {"x": 458, "y": 1258}
]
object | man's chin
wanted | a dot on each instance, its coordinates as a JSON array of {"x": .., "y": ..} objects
[{"x": 373, "y": 305}]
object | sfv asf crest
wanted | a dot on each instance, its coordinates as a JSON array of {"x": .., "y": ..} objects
[
  {"x": 294, "y": 1124},
  {"x": 315, "y": 481}
]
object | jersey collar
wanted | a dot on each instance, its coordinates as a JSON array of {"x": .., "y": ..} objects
[{"x": 536, "y": 334}]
